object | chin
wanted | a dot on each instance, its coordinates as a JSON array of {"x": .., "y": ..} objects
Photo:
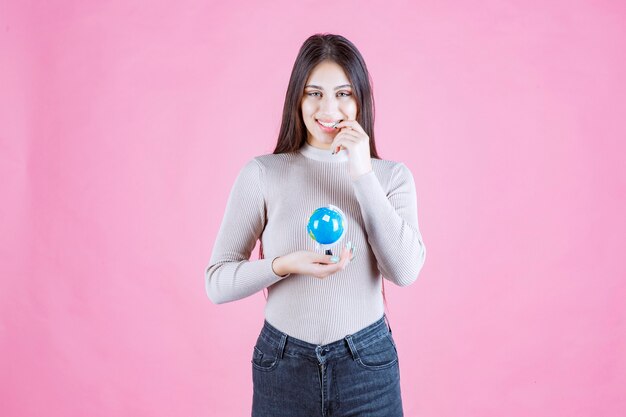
[{"x": 325, "y": 140}]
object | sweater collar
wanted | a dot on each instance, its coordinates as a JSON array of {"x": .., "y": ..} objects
[{"x": 324, "y": 155}]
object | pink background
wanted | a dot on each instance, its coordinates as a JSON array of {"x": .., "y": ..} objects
[{"x": 123, "y": 125}]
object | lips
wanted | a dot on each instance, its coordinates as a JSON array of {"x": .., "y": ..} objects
[
  {"x": 327, "y": 129},
  {"x": 328, "y": 123}
]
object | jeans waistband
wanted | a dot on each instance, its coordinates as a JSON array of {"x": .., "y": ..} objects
[{"x": 349, "y": 345}]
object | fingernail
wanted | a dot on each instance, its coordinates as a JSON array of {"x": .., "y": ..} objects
[
  {"x": 334, "y": 259},
  {"x": 348, "y": 245}
]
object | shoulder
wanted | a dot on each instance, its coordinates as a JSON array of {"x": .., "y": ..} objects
[
  {"x": 391, "y": 172},
  {"x": 265, "y": 161},
  {"x": 273, "y": 159},
  {"x": 272, "y": 165},
  {"x": 258, "y": 168},
  {"x": 396, "y": 168},
  {"x": 385, "y": 165}
]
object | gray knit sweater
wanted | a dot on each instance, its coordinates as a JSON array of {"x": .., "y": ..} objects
[{"x": 272, "y": 198}]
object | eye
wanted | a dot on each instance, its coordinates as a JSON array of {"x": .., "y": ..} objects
[
  {"x": 345, "y": 94},
  {"x": 312, "y": 93}
]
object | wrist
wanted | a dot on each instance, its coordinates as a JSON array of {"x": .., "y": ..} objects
[
  {"x": 357, "y": 175},
  {"x": 279, "y": 268},
  {"x": 360, "y": 169}
]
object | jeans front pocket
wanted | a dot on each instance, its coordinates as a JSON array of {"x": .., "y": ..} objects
[
  {"x": 264, "y": 355},
  {"x": 381, "y": 354}
]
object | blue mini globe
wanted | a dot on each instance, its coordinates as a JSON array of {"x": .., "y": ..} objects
[{"x": 327, "y": 225}]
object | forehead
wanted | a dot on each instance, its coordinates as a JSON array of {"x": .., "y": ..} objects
[{"x": 327, "y": 73}]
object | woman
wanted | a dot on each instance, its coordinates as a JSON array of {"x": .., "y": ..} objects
[{"x": 324, "y": 346}]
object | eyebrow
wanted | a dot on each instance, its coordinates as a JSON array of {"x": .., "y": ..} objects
[{"x": 320, "y": 88}]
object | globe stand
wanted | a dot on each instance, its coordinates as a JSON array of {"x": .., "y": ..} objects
[{"x": 326, "y": 251}]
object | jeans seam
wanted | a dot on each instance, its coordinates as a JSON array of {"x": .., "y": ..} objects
[{"x": 376, "y": 367}]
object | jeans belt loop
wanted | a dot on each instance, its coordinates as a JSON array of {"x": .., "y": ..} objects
[
  {"x": 353, "y": 351},
  {"x": 388, "y": 325},
  {"x": 281, "y": 345}
]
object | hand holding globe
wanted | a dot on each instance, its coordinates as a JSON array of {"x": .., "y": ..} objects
[{"x": 327, "y": 227}]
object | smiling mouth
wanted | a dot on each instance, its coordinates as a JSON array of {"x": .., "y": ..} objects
[{"x": 329, "y": 124}]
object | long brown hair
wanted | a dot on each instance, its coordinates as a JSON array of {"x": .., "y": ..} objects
[{"x": 314, "y": 50}]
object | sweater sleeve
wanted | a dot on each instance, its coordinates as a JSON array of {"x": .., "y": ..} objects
[
  {"x": 391, "y": 224},
  {"x": 230, "y": 274}
]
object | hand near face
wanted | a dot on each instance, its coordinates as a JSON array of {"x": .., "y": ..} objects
[{"x": 353, "y": 138}]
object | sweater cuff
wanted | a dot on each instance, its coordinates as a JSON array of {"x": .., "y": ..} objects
[{"x": 272, "y": 269}]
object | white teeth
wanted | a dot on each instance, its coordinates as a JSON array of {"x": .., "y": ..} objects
[{"x": 331, "y": 124}]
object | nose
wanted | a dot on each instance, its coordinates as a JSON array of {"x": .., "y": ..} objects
[{"x": 329, "y": 104}]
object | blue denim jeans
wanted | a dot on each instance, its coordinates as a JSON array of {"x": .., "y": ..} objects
[{"x": 354, "y": 376}]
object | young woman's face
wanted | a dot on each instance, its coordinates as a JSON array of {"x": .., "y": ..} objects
[{"x": 328, "y": 98}]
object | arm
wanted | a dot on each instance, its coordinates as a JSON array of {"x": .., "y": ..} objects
[
  {"x": 230, "y": 274},
  {"x": 391, "y": 224}
]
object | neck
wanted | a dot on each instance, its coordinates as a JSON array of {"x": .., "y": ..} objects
[{"x": 324, "y": 155}]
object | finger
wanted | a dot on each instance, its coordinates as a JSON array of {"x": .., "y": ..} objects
[
  {"x": 324, "y": 270},
  {"x": 329, "y": 269},
  {"x": 320, "y": 269},
  {"x": 345, "y": 123},
  {"x": 345, "y": 257},
  {"x": 330, "y": 261},
  {"x": 327, "y": 259},
  {"x": 346, "y": 135},
  {"x": 351, "y": 135},
  {"x": 344, "y": 141},
  {"x": 349, "y": 249},
  {"x": 351, "y": 124}
]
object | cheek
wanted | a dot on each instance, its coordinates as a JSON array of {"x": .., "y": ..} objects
[
  {"x": 350, "y": 108},
  {"x": 307, "y": 108}
]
